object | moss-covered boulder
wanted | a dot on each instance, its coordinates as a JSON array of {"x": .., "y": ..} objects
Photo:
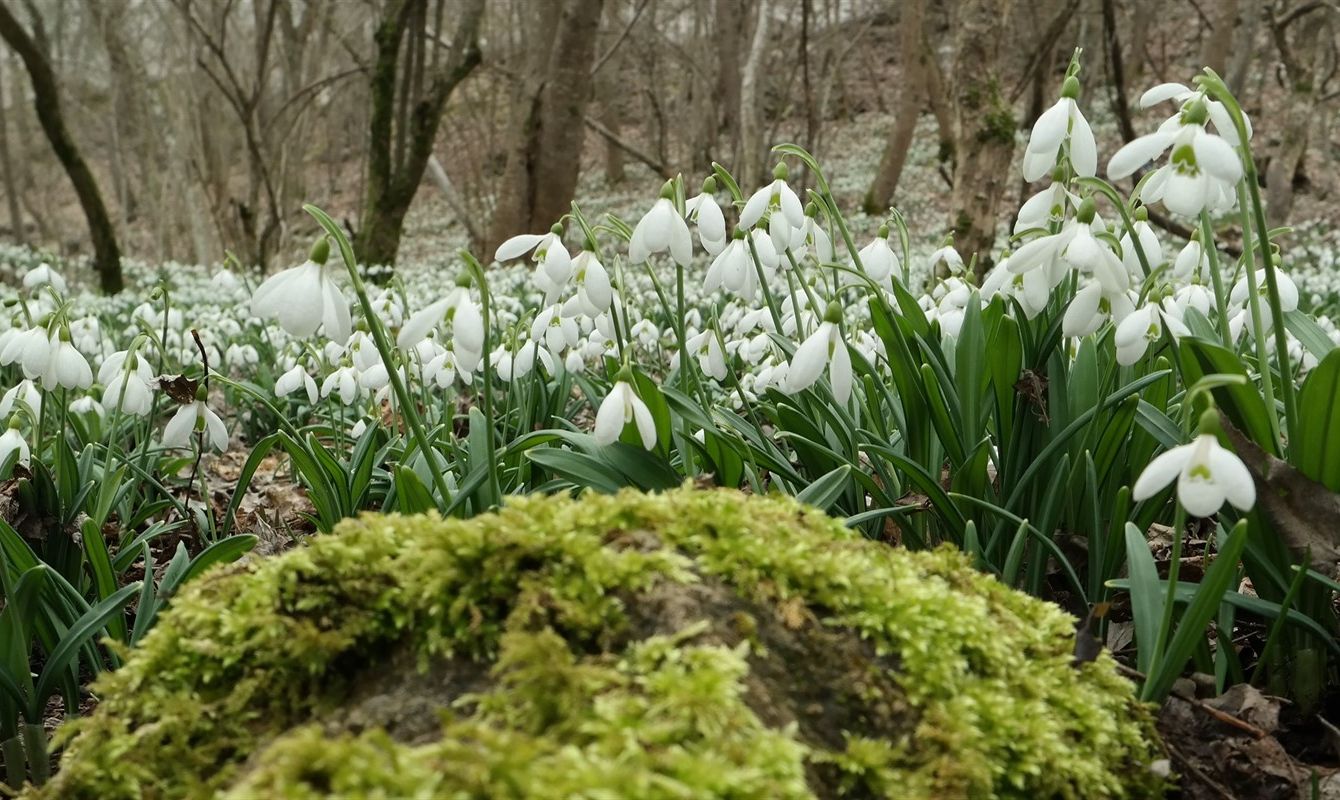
[{"x": 685, "y": 645}]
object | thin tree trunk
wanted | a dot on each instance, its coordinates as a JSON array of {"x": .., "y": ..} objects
[
  {"x": 1300, "y": 55},
  {"x": 106, "y": 253},
  {"x": 7, "y": 165},
  {"x": 985, "y": 124},
  {"x": 752, "y": 147},
  {"x": 907, "y": 108},
  {"x": 391, "y": 190},
  {"x": 545, "y": 158},
  {"x": 1216, "y": 45}
]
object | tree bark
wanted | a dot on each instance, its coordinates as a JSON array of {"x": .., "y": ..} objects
[
  {"x": 390, "y": 186},
  {"x": 46, "y": 94},
  {"x": 7, "y": 167},
  {"x": 1300, "y": 54},
  {"x": 544, "y": 157},
  {"x": 985, "y": 126},
  {"x": 753, "y": 157},
  {"x": 907, "y": 108}
]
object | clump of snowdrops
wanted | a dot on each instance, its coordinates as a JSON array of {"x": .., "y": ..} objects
[{"x": 1044, "y": 420}]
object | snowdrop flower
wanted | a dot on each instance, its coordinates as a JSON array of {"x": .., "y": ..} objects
[
  {"x": 778, "y": 198},
  {"x": 1046, "y": 207},
  {"x": 1207, "y": 474},
  {"x": 1202, "y": 172},
  {"x": 66, "y": 366},
  {"x": 1031, "y": 289},
  {"x": 86, "y": 405},
  {"x": 22, "y": 392},
  {"x": 343, "y": 382},
  {"x": 556, "y": 331},
  {"x": 703, "y": 210},
  {"x": 948, "y": 256},
  {"x": 1149, "y": 243},
  {"x": 620, "y": 407},
  {"x": 193, "y": 417},
  {"x": 1288, "y": 295},
  {"x": 12, "y": 442},
  {"x": 31, "y": 349},
  {"x": 879, "y": 260},
  {"x": 44, "y": 275},
  {"x": 553, "y": 264},
  {"x": 711, "y": 358},
  {"x": 127, "y": 378},
  {"x": 594, "y": 293},
  {"x": 662, "y": 230},
  {"x": 295, "y": 379},
  {"x": 1140, "y": 328},
  {"x": 1054, "y": 125},
  {"x": 1077, "y": 246},
  {"x": 822, "y": 348},
  {"x": 305, "y": 298},
  {"x": 1189, "y": 260},
  {"x": 467, "y": 326},
  {"x": 819, "y": 242},
  {"x": 1093, "y": 305},
  {"x": 733, "y": 269}
]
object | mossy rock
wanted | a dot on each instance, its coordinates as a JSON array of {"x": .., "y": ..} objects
[{"x": 684, "y": 645}]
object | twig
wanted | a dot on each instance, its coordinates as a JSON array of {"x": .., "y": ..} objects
[
  {"x": 605, "y": 56},
  {"x": 1221, "y": 716},
  {"x": 1194, "y": 770}
]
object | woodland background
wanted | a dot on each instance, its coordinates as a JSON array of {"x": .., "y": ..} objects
[{"x": 186, "y": 129}]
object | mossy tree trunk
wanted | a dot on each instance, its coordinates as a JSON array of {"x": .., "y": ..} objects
[
  {"x": 409, "y": 89},
  {"x": 46, "y": 100}
]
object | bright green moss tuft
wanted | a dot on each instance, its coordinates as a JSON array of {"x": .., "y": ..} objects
[{"x": 550, "y": 637}]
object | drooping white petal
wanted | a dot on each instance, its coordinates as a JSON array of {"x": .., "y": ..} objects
[
  {"x": 177, "y": 433},
  {"x": 518, "y": 246},
  {"x": 1160, "y": 472},
  {"x": 1050, "y": 128},
  {"x": 1233, "y": 478},
  {"x": 1217, "y": 157},
  {"x": 646, "y": 426},
  {"x": 217, "y": 434},
  {"x": 1137, "y": 153},
  {"x": 1083, "y": 149},
  {"x": 1162, "y": 92},
  {"x": 610, "y": 415},
  {"x": 839, "y": 371},
  {"x": 808, "y": 362}
]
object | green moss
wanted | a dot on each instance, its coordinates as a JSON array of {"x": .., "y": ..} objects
[{"x": 221, "y": 697}]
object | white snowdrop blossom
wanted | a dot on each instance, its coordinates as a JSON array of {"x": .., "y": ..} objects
[
  {"x": 66, "y": 367},
  {"x": 620, "y": 407},
  {"x": 1202, "y": 172},
  {"x": 295, "y": 379},
  {"x": 22, "y": 392},
  {"x": 1143, "y": 326},
  {"x": 823, "y": 348},
  {"x": 13, "y": 444},
  {"x": 193, "y": 417},
  {"x": 553, "y": 264},
  {"x": 1063, "y": 120},
  {"x": 1241, "y": 296},
  {"x": 44, "y": 275},
  {"x": 703, "y": 210},
  {"x": 1207, "y": 475},
  {"x": 305, "y": 298},
  {"x": 127, "y": 378},
  {"x": 661, "y": 230}
]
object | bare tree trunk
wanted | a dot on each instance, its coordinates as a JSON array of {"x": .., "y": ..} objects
[
  {"x": 752, "y": 157},
  {"x": 1300, "y": 55},
  {"x": 391, "y": 187},
  {"x": 7, "y": 166},
  {"x": 547, "y": 136},
  {"x": 985, "y": 124},
  {"x": 46, "y": 94},
  {"x": 1244, "y": 50},
  {"x": 907, "y": 108},
  {"x": 1218, "y": 43}
]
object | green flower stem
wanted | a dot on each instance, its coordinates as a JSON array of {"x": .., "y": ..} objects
[
  {"x": 1220, "y": 299},
  {"x": 486, "y": 311},
  {"x": 1170, "y": 602},
  {"x": 763, "y": 284},
  {"x": 384, "y": 350},
  {"x": 1254, "y": 312},
  {"x": 1215, "y": 86}
]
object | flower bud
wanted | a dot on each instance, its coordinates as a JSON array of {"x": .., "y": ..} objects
[{"x": 320, "y": 251}]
